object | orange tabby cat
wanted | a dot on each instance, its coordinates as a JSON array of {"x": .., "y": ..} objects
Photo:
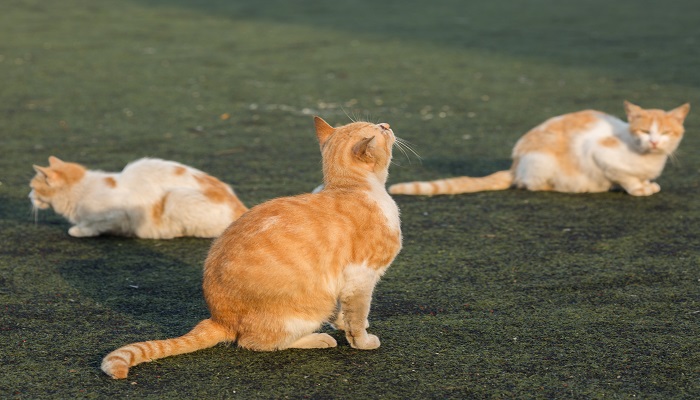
[
  {"x": 150, "y": 199},
  {"x": 290, "y": 264},
  {"x": 586, "y": 151}
]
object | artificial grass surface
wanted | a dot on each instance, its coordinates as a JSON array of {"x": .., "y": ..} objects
[{"x": 506, "y": 294}]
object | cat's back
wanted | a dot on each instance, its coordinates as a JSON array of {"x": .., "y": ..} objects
[
  {"x": 559, "y": 134},
  {"x": 155, "y": 168},
  {"x": 310, "y": 228}
]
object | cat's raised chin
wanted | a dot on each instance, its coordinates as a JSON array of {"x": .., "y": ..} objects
[{"x": 290, "y": 264}]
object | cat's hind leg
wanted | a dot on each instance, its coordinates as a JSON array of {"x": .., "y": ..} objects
[
  {"x": 314, "y": 341},
  {"x": 535, "y": 171}
]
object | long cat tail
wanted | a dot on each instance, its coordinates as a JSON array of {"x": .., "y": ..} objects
[
  {"x": 500, "y": 180},
  {"x": 205, "y": 334}
]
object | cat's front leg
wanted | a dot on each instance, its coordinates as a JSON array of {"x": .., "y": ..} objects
[
  {"x": 641, "y": 188},
  {"x": 355, "y": 300},
  {"x": 338, "y": 321},
  {"x": 83, "y": 231}
]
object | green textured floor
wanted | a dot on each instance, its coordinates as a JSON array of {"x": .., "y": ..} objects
[{"x": 495, "y": 295}]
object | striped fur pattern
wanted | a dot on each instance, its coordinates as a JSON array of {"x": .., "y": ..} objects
[
  {"x": 586, "y": 151},
  {"x": 150, "y": 199},
  {"x": 290, "y": 264}
]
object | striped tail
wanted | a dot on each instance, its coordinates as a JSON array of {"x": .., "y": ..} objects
[
  {"x": 501, "y": 180},
  {"x": 205, "y": 334}
]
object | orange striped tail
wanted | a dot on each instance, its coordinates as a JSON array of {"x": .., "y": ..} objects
[
  {"x": 501, "y": 180},
  {"x": 205, "y": 334}
]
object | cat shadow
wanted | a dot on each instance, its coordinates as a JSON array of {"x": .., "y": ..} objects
[{"x": 158, "y": 282}]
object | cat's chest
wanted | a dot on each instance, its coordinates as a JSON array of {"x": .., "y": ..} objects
[{"x": 386, "y": 207}]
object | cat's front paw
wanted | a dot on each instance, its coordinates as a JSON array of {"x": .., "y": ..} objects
[
  {"x": 646, "y": 189},
  {"x": 81, "y": 231},
  {"x": 364, "y": 342}
]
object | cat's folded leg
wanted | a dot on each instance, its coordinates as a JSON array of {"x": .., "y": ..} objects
[
  {"x": 83, "y": 231},
  {"x": 314, "y": 341}
]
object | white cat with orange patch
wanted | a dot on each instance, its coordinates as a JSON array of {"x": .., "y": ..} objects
[
  {"x": 290, "y": 264},
  {"x": 150, "y": 199},
  {"x": 586, "y": 151}
]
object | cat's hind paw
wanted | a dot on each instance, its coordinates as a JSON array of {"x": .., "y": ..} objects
[{"x": 315, "y": 341}]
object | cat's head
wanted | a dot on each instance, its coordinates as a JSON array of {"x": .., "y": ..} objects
[
  {"x": 53, "y": 181},
  {"x": 656, "y": 131},
  {"x": 355, "y": 150}
]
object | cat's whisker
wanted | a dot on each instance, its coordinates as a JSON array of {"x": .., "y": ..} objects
[
  {"x": 34, "y": 214},
  {"x": 403, "y": 146},
  {"x": 409, "y": 145},
  {"x": 348, "y": 115},
  {"x": 674, "y": 159}
]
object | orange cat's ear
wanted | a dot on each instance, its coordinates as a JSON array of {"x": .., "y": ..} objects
[
  {"x": 54, "y": 161},
  {"x": 46, "y": 172},
  {"x": 323, "y": 130},
  {"x": 363, "y": 151},
  {"x": 632, "y": 109},
  {"x": 680, "y": 113}
]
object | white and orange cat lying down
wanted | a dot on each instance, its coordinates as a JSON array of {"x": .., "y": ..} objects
[
  {"x": 150, "y": 199},
  {"x": 586, "y": 151},
  {"x": 290, "y": 264}
]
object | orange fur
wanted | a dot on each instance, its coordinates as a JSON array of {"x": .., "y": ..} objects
[
  {"x": 585, "y": 151},
  {"x": 111, "y": 182},
  {"x": 219, "y": 192},
  {"x": 290, "y": 264}
]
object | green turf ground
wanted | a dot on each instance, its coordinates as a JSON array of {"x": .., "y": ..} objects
[{"x": 495, "y": 295}]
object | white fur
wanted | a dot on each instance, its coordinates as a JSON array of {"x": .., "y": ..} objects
[
  {"x": 385, "y": 202},
  {"x": 126, "y": 209}
]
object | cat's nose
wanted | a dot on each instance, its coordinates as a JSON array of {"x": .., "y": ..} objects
[{"x": 384, "y": 126}]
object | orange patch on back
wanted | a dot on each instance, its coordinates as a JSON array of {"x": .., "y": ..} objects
[
  {"x": 609, "y": 142},
  {"x": 213, "y": 189},
  {"x": 180, "y": 170},
  {"x": 555, "y": 137},
  {"x": 109, "y": 181},
  {"x": 219, "y": 192}
]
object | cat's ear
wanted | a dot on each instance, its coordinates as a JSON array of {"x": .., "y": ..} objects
[
  {"x": 632, "y": 109},
  {"x": 363, "y": 151},
  {"x": 323, "y": 130},
  {"x": 47, "y": 173},
  {"x": 680, "y": 113},
  {"x": 54, "y": 161}
]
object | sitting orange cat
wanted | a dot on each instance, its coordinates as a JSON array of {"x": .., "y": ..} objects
[
  {"x": 290, "y": 264},
  {"x": 150, "y": 199},
  {"x": 586, "y": 151}
]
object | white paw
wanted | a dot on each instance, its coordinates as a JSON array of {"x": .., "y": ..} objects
[
  {"x": 646, "y": 189},
  {"x": 77, "y": 231},
  {"x": 364, "y": 342}
]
